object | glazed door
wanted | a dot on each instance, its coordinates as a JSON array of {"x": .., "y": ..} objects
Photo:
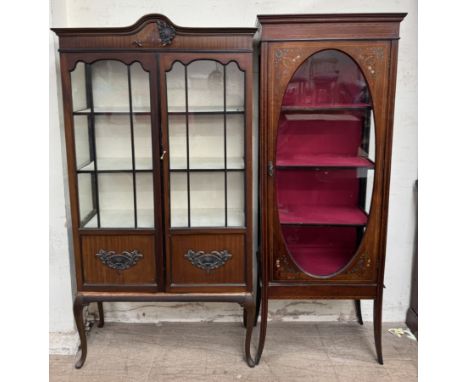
[
  {"x": 117, "y": 172},
  {"x": 206, "y": 171},
  {"x": 322, "y": 160}
]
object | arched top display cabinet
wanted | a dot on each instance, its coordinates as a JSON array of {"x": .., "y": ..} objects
[
  {"x": 158, "y": 126},
  {"x": 327, "y": 85}
]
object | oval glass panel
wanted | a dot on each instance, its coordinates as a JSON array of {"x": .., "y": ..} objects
[{"x": 325, "y": 162}]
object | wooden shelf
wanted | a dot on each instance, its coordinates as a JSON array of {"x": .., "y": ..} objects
[
  {"x": 325, "y": 160},
  {"x": 320, "y": 108},
  {"x": 323, "y": 215}
]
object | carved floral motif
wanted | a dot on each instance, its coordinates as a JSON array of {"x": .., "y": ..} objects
[
  {"x": 166, "y": 32},
  {"x": 208, "y": 261},
  {"x": 119, "y": 261}
]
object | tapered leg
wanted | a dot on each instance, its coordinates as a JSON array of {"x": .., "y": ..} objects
[
  {"x": 357, "y": 305},
  {"x": 78, "y": 306},
  {"x": 378, "y": 326},
  {"x": 249, "y": 311},
  {"x": 258, "y": 301},
  {"x": 101, "y": 314}
]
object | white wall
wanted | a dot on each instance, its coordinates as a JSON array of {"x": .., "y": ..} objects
[{"x": 242, "y": 13}]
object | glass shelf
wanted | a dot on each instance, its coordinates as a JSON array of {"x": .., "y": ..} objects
[
  {"x": 207, "y": 217},
  {"x": 113, "y": 110},
  {"x": 204, "y": 110},
  {"x": 119, "y": 164},
  {"x": 323, "y": 161},
  {"x": 206, "y": 163},
  {"x": 323, "y": 215},
  {"x": 122, "y": 219}
]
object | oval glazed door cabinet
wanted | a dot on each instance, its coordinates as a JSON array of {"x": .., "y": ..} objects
[{"x": 326, "y": 105}]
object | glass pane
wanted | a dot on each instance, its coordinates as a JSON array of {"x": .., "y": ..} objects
[
  {"x": 78, "y": 83},
  {"x": 177, "y": 142},
  {"x": 206, "y": 141},
  {"x": 320, "y": 196},
  {"x": 235, "y": 141},
  {"x": 110, "y": 86},
  {"x": 207, "y": 199},
  {"x": 145, "y": 208},
  {"x": 141, "y": 101},
  {"x": 324, "y": 162},
  {"x": 323, "y": 250},
  {"x": 205, "y": 86},
  {"x": 143, "y": 142},
  {"x": 179, "y": 200},
  {"x": 85, "y": 200},
  {"x": 234, "y": 88},
  {"x": 235, "y": 199},
  {"x": 82, "y": 146},
  {"x": 175, "y": 83},
  {"x": 116, "y": 200},
  {"x": 113, "y": 142}
]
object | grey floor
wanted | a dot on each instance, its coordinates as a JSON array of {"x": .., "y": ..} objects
[{"x": 315, "y": 351}]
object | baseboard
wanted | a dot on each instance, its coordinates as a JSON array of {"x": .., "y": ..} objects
[{"x": 63, "y": 343}]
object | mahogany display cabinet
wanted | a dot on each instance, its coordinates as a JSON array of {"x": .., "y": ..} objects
[
  {"x": 327, "y": 89},
  {"x": 158, "y": 127}
]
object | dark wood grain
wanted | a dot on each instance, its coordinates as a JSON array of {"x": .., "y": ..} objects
[
  {"x": 286, "y": 42},
  {"x": 182, "y": 271},
  {"x": 163, "y": 273},
  {"x": 95, "y": 272}
]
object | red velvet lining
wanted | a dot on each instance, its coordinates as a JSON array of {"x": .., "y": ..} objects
[
  {"x": 305, "y": 138},
  {"x": 309, "y": 187},
  {"x": 321, "y": 251},
  {"x": 317, "y": 131}
]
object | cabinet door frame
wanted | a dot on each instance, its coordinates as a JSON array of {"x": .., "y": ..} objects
[
  {"x": 245, "y": 63},
  {"x": 68, "y": 62},
  {"x": 282, "y": 60}
]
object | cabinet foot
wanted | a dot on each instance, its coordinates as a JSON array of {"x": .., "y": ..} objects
[
  {"x": 78, "y": 306},
  {"x": 357, "y": 305},
  {"x": 101, "y": 314},
  {"x": 378, "y": 327},
  {"x": 249, "y": 318}
]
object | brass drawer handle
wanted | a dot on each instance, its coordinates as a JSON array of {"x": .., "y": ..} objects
[
  {"x": 208, "y": 261},
  {"x": 119, "y": 261}
]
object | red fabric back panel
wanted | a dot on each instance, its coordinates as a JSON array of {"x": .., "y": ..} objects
[
  {"x": 321, "y": 251},
  {"x": 302, "y": 139},
  {"x": 310, "y": 188}
]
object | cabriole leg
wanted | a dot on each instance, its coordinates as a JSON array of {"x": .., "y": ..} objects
[
  {"x": 378, "y": 326},
  {"x": 357, "y": 305},
  {"x": 101, "y": 314},
  {"x": 78, "y": 306},
  {"x": 249, "y": 311}
]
